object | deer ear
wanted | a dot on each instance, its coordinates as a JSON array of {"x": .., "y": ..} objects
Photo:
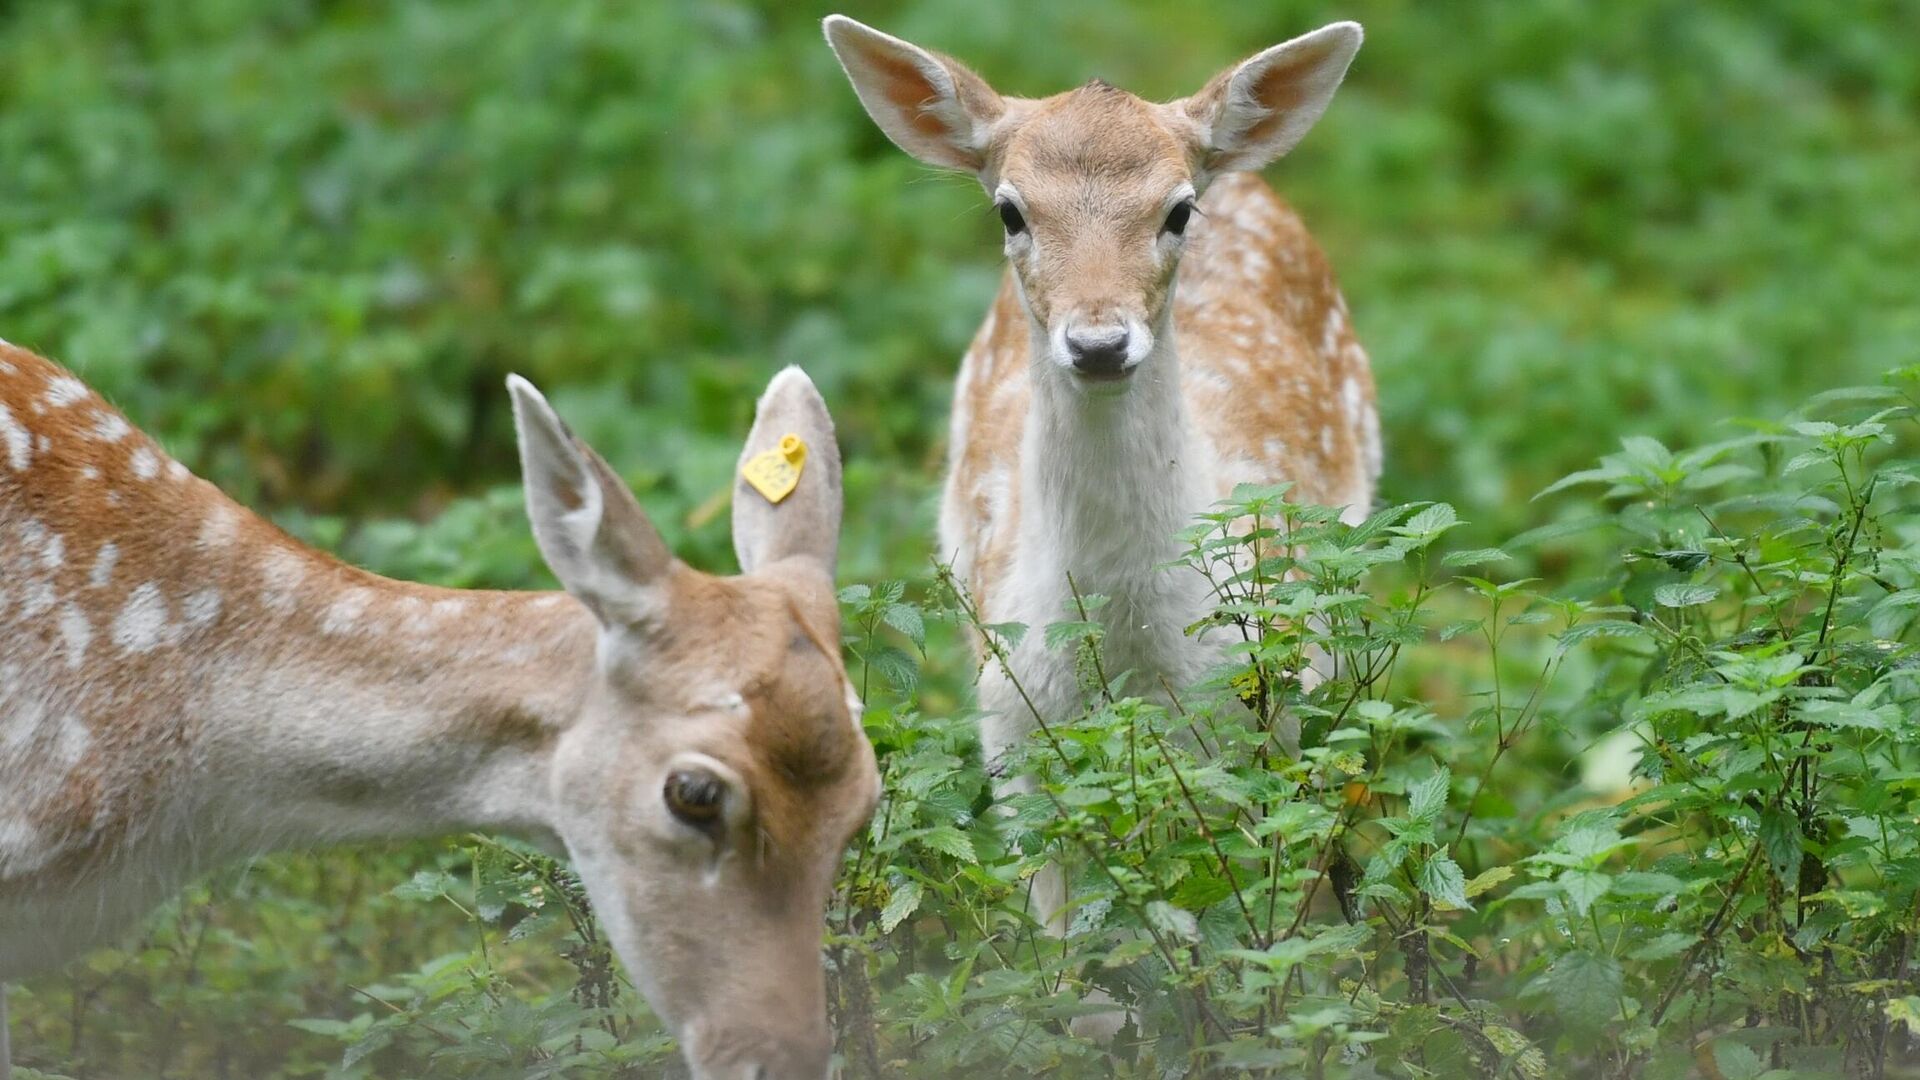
[
  {"x": 806, "y": 522},
  {"x": 590, "y": 529},
  {"x": 1254, "y": 112},
  {"x": 930, "y": 105}
]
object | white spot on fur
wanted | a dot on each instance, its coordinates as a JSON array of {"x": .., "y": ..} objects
[
  {"x": 177, "y": 472},
  {"x": 110, "y": 427},
  {"x": 282, "y": 570},
  {"x": 75, "y": 633},
  {"x": 18, "y": 441},
  {"x": 146, "y": 463},
  {"x": 218, "y": 529},
  {"x": 142, "y": 622},
  {"x": 103, "y": 565},
  {"x": 345, "y": 612},
  {"x": 201, "y": 608},
  {"x": 1351, "y": 400},
  {"x": 89, "y": 472},
  {"x": 39, "y": 596},
  {"x": 22, "y": 850},
  {"x": 63, "y": 391},
  {"x": 1330, "y": 333}
]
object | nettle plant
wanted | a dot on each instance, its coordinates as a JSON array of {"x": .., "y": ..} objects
[
  {"x": 1338, "y": 876},
  {"x": 1386, "y": 869},
  {"x": 1754, "y": 905}
]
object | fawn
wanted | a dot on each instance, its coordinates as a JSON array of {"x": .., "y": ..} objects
[
  {"x": 182, "y": 684},
  {"x": 1165, "y": 331}
]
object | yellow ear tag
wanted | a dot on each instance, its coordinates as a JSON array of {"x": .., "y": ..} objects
[{"x": 775, "y": 473}]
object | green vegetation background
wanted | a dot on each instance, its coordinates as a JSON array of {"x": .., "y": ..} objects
[{"x": 302, "y": 243}]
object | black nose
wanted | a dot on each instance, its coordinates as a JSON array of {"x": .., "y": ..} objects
[{"x": 1098, "y": 353}]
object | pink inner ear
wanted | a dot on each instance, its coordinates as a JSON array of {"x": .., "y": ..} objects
[
  {"x": 1282, "y": 88},
  {"x": 907, "y": 89}
]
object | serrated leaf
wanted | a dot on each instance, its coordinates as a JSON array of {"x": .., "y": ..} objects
[
  {"x": 1780, "y": 837},
  {"x": 1172, "y": 921},
  {"x": 1430, "y": 522},
  {"x": 1672, "y": 943},
  {"x": 906, "y": 619},
  {"x": 1428, "y": 798},
  {"x": 949, "y": 841},
  {"x": 1574, "y": 635},
  {"x": 1684, "y": 596},
  {"x": 1583, "y": 888},
  {"x": 1011, "y": 634},
  {"x": 1073, "y": 630},
  {"x": 1488, "y": 879},
  {"x": 901, "y": 905},
  {"x": 1475, "y": 557},
  {"x": 1441, "y": 879},
  {"x": 896, "y": 666},
  {"x": 425, "y": 885},
  {"x": 1585, "y": 988}
]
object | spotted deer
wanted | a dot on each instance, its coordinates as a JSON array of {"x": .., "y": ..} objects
[
  {"x": 1166, "y": 329},
  {"x": 183, "y": 684}
]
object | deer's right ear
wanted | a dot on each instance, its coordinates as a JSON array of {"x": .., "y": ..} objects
[
  {"x": 931, "y": 106},
  {"x": 590, "y": 529}
]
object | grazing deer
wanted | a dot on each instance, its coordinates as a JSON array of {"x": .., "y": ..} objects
[
  {"x": 1165, "y": 331},
  {"x": 182, "y": 684}
]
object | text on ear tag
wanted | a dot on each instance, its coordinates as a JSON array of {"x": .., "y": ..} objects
[{"x": 775, "y": 473}]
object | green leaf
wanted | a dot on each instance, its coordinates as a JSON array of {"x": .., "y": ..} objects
[
  {"x": 1583, "y": 888},
  {"x": 1780, "y": 837},
  {"x": 1585, "y": 988},
  {"x": 1671, "y": 943},
  {"x": 1062, "y": 633},
  {"x": 1428, "y": 798},
  {"x": 1475, "y": 557},
  {"x": 1737, "y": 1061},
  {"x": 1442, "y": 879},
  {"x": 1488, "y": 879},
  {"x": 949, "y": 841},
  {"x": 1684, "y": 596},
  {"x": 901, "y": 905},
  {"x": 1172, "y": 921},
  {"x": 906, "y": 619},
  {"x": 426, "y": 885},
  {"x": 1429, "y": 523}
]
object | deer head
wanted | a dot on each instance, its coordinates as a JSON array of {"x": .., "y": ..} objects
[
  {"x": 717, "y": 767},
  {"x": 1095, "y": 187}
]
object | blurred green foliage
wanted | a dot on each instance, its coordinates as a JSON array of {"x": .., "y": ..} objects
[{"x": 303, "y": 243}]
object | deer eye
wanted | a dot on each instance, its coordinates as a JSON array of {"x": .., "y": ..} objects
[
  {"x": 1177, "y": 219},
  {"x": 1011, "y": 217},
  {"x": 695, "y": 796}
]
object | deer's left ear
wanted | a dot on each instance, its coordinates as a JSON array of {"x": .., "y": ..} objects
[
  {"x": 1254, "y": 112},
  {"x": 805, "y": 522}
]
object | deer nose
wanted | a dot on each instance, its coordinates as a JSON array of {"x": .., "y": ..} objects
[{"x": 1098, "y": 352}]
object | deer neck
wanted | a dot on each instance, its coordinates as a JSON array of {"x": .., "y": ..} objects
[
  {"x": 1108, "y": 480},
  {"x": 250, "y": 695},
  {"x": 428, "y": 711}
]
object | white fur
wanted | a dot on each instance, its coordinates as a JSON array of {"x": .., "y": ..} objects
[
  {"x": 64, "y": 390},
  {"x": 142, "y": 622},
  {"x": 103, "y": 563},
  {"x": 17, "y": 440}
]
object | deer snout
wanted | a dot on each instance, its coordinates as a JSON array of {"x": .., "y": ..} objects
[{"x": 1100, "y": 352}]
